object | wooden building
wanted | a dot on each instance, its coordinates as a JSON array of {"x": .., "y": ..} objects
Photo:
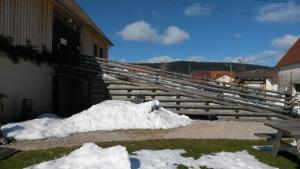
[
  {"x": 61, "y": 27},
  {"x": 265, "y": 79},
  {"x": 289, "y": 69}
]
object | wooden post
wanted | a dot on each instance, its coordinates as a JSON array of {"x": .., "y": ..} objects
[
  {"x": 153, "y": 96},
  {"x": 276, "y": 143},
  {"x": 237, "y": 112},
  {"x": 210, "y": 117},
  {"x": 129, "y": 91},
  {"x": 178, "y": 103},
  {"x": 298, "y": 143}
]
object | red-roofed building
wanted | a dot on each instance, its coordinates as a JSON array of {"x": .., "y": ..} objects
[
  {"x": 219, "y": 75},
  {"x": 289, "y": 69}
]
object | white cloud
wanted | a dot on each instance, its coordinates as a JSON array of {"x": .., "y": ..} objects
[
  {"x": 196, "y": 9},
  {"x": 139, "y": 31},
  {"x": 158, "y": 59},
  {"x": 173, "y": 35},
  {"x": 142, "y": 31},
  {"x": 167, "y": 58},
  {"x": 258, "y": 58},
  {"x": 279, "y": 12},
  {"x": 284, "y": 42},
  {"x": 237, "y": 35}
]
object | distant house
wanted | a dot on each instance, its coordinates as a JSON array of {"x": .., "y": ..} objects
[
  {"x": 64, "y": 29},
  {"x": 218, "y": 75},
  {"x": 260, "y": 78},
  {"x": 289, "y": 69}
]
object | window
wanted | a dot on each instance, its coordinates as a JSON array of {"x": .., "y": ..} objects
[
  {"x": 101, "y": 52},
  {"x": 95, "y": 51}
]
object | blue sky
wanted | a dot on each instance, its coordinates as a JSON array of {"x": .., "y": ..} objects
[{"x": 248, "y": 31}]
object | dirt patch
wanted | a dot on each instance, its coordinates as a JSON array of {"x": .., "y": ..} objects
[{"x": 200, "y": 129}]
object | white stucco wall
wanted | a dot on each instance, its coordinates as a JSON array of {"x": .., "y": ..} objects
[
  {"x": 25, "y": 80},
  {"x": 225, "y": 78}
]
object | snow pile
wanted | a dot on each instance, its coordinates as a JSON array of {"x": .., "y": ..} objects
[
  {"x": 108, "y": 115},
  {"x": 226, "y": 160},
  {"x": 90, "y": 156},
  {"x": 294, "y": 143},
  {"x": 108, "y": 77},
  {"x": 297, "y": 110},
  {"x": 166, "y": 159},
  {"x": 170, "y": 159}
]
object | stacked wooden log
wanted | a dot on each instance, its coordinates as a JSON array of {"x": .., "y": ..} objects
[{"x": 191, "y": 95}]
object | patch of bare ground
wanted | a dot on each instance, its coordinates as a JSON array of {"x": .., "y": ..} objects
[{"x": 200, "y": 129}]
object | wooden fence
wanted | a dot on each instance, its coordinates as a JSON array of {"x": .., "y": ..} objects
[{"x": 186, "y": 95}]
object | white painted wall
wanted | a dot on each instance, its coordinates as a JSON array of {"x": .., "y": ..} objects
[
  {"x": 25, "y": 81},
  {"x": 225, "y": 78},
  {"x": 288, "y": 76}
]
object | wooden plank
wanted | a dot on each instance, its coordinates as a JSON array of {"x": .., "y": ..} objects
[
  {"x": 186, "y": 77},
  {"x": 241, "y": 114},
  {"x": 276, "y": 143},
  {"x": 297, "y": 138},
  {"x": 142, "y": 94},
  {"x": 261, "y": 98},
  {"x": 283, "y": 125},
  {"x": 292, "y": 129},
  {"x": 182, "y": 100},
  {"x": 202, "y": 93},
  {"x": 204, "y": 107},
  {"x": 121, "y": 82},
  {"x": 133, "y": 88}
]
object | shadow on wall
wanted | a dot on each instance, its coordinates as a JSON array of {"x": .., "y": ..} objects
[
  {"x": 73, "y": 94},
  {"x": 25, "y": 80}
]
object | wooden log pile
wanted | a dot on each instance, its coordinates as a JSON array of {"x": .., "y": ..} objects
[{"x": 187, "y": 95}]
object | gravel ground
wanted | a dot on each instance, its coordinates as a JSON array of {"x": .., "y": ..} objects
[{"x": 200, "y": 129}]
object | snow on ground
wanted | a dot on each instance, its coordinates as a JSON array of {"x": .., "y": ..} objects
[
  {"x": 90, "y": 156},
  {"x": 108, "y": 115},
  {"x": 297, "y": 110},
  {"x": 166, "y": 159},
  {"x": 263, "y": 147},
  {"x": 170, "y": 159},
  {"x": 108, "y": 77},
  {"x": 227, "y": 160}
]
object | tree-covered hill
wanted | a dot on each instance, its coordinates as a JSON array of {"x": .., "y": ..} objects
[{"x": 188, "y": 66}]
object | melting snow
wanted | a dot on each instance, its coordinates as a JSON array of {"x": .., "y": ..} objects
[
  {"x": 92, "y": 157},
  {"x": 170, "y": 159},
  {"x": 108, "y": 115}
]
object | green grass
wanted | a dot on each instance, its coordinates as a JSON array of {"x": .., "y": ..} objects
[{"x": 194, "y": 148}]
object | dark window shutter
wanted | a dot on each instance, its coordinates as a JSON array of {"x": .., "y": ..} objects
[
  {"x": 101, "y": 52},
  {"x": 95, "y": 51}
]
